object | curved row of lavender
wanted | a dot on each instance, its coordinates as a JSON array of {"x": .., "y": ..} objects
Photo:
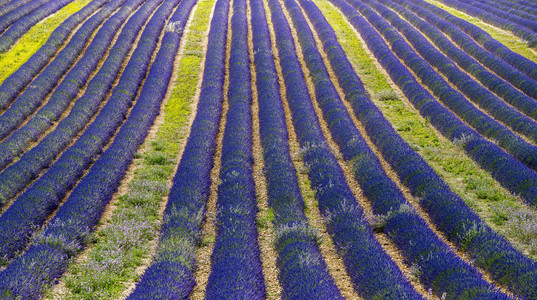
[
  {"x": 16, "y": 29},
  {"x": 459, "y": 223}
]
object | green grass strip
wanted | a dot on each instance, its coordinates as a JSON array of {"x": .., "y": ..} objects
[
  {"x": 125, "y": 241},
  {"x": 36, "y": 37},
  {"x": 510, "y": 40},
  {"x": 474, "y": 185}
]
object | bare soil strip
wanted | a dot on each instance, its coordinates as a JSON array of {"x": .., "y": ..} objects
[
  {"x": 391, "y": 173},
  {"x": 203, "y": 253},
  {"x": 265, "y": 227}
]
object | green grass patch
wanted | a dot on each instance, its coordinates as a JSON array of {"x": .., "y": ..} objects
[
  {"x": 478, "y": 189},
  {"x": 510, "y": 40},
  {"x": 124, "y": 243},
  {"x": 36, "y": 37}
]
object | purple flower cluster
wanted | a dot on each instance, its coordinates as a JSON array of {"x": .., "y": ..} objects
[
  {"x": 36, "y": 92},
  {"x": 528, "y": 86},
  {"x": 441, "y": 269},
  {"x": 467, "y": 36},
  {"x": 522, "y": 28},
  {"x": 20, "y": 12},
  {"x": 16, "y": 82},
  {"x": 7, "y": 6}
]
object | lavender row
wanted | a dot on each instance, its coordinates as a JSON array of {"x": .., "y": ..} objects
[
  {"x": 76, "y": 78},
  {"x": 20, "y": 27},
  {"x": 456, "y": 29},
  {"x": 519, "y": 5},
  {"x": 36, "y": 93},
  {"x": 32, "y": 208},
  {"x": 373, "y": 273},
  {"x": 7, "y": 6},
  {"x": 295, "y": 239},
  {"x": 236, "y": 270},
  {"x": 484, "y": 124},
  {"x": 19, "y": 174},
  {"x": 64, "y": 236},
  {"x": 521, "y": 31},
  {"x": 8, "y": 19},
  {"x": 441, "y": 270},
  {"x": 171, "y": 274},
  {"x": 508, "y": 14},
  {"x": 510, "y": 172},
  {"x": 510, "y": 8},
  {"x": 15, "y": 83},
  {"x": 447, "y": 210},
  {"x": 509, "y": 94}
]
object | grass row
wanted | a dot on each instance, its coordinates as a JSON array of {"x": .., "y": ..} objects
[
  {"x": 36, "y": 37},
  {"x": 475, "y": 186},
  {"x": 505, "y": 37},
  {"x": 125, "y": 241}
]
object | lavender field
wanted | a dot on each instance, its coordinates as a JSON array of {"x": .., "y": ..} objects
[{"x": 268, "y": 149}]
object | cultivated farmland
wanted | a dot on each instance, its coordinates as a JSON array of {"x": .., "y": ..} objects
[{"x": 278, "y": 149}]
